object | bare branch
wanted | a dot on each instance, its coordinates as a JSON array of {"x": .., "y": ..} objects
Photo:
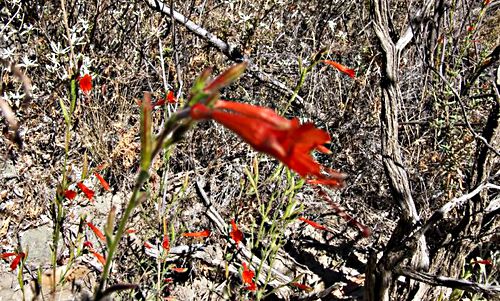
[
  {"x": 456, "y": 202},
  {"x": 490, "y": 291},
  {"x": 231, "y": 51}
]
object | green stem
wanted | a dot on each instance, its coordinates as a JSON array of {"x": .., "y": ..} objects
[{"x": 141, "y": 179}]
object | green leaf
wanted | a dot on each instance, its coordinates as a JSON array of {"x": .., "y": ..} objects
[{"x": 67, "y": 118}]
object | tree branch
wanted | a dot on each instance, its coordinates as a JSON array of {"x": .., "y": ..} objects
[
  {"x": 490, "y": 291},
  {"x": 231, "y": 51}
]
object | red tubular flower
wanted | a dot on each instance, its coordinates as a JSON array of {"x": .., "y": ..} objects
[
  {"x": 313, "y": 224},
  {"x": 17, "y": 259},
  {"x": 171, "y": 97},
  {"x": 267, "y": 132},
  {"x": 236, "y": 234},
  {"x": 179, "y": 270},
  {"x": 205, "y": 233},
  {"x": 247, "y": 274},
  {"x": 104, "y": 184},
  {"x": 341, "y": 68},
  {"x": 482, "y": 261},
  {"x": 251, "y": 287},
  {"x": 70, "y": 194},
  {"x": 97, "y": 232},
  {"x": 88, "y": 244},
  {"x": 86, "y": 83},
  {"x": 165, "y": 243},
  {"x": 301, "y": 286},
  {"x": 99, "y": 257},
  {"x": 7, "y": 255},
  {"x": 89, "y": 193}
]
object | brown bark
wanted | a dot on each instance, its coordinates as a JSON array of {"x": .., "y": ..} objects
[{"x": 407, "y": 243}]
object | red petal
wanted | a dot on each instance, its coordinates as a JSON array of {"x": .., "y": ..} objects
[
  {"x": 99, "y": 257},
  {"x": 252, "y": 287},
  {"x": 7, "y": 255},
  {"x": 130, "y": 231},
  {"x": 482, "y": 261},
  {"x": 165, "y": 243},
  {"x": 179, "y": 270},
  {"x": 314, "y": 224},
  {"x": 204, "y": 233},
  {"x": 235, "y": 234},
  {"x": 86, "y": 83},
  {"x": 16, "y": 261},
  {"x": 88, "y": 244},
  {"x": 341, "y": 68},
  {"x": 147, "y": 245},
  {"x": 88, "y": 192},
  {"x": 247, "y": 274},
  {"x": 301, "y": 286},
  {"x": 70, "y": 194},
  {"x": 160, "y": 102},
  {"x": 104, "y": 184},
  {"x": 97, "y": 232},
  {"x": 171, "y": 97}
]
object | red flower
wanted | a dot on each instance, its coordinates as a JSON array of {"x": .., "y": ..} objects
[
  {"x": 99, "y": 257},
  {"x": 16, "y": 261},
  {"x": 204, "y": 233},
  {"x": 97, "y": 232},
  {"x": 251, "y": 287},
  {"x": 165, "y": 243},
  {"x": 301, "y": 286},
  {"x": 341, "y": 68},
  {"x": 7, "y": 255},
  {"x": 147, "y": 245},
  {"x": 286, "y": 140},
  {"x": 130, "y": 231},
  {"x": 482, "y": 261},
  {"x": 88, "y": 192},
  {"x": 314, "y": 224},
  {"x": 104, "y": 184},
  {"x": 86, "y": 83},
  {"x": 179, "y": 270},
  {"x": 171, "y": 97},
  {"x": 70, "y": 194},
  {"x": 88, "y": 244},
  {"x": 235, "y": 234},
  {"x": 247, "y": 274}
]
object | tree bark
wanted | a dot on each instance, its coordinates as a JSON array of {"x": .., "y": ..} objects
[{"x": 407, "y": 245}]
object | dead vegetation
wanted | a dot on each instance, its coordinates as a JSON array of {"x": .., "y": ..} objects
[{"x": 445, "y": 104}]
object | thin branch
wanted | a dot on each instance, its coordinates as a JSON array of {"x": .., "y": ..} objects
[
  {"x": 490, "y": 291},
  {"x": 456, "y": 202},
  {"x": 464, "y": 113},
  {"x": 231, "y": 51}
]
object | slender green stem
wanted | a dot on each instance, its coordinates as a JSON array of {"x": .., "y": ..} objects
[{"x": 132, "y": 203}]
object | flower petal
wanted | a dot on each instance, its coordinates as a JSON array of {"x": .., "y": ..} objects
[
  {"x": 341, "y": 68},
  {"x": 97, "y": 232},
  {"x": 313, "y": 224},
  {"x": 104, "y": 184},
  {"x": 89, "y": 193},
  {"x": 86, "y": 83},
  {"x": 204, "y": 233}
]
